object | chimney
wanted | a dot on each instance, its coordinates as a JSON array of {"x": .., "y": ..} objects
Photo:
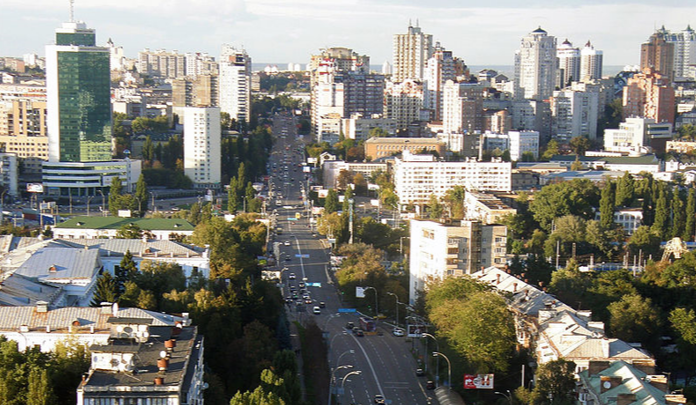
[
  {"x": 48, "y": 329},
  {"x": 596, "y": 366},
  {"x": 162, "y": 364},
  {"x": 658, "y": 381},
  {"x": 52, "y": 269},
  {"x": 498, "y": 278},
  {"x": 115, "y": 310},
  {"x": 625, "y": 399},
  {"x": 41, "y": 307},
  {"x": 515, "y": 287},
  {"x": 170, "y": 344},
  {"x": 105, "y": 308},
  {"x": 159, "y": 380}
]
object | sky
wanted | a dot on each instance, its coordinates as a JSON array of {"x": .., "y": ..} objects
[{"x": 283, "y": 31}]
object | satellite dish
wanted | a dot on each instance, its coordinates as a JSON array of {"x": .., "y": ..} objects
[
  {"x": 119, "y": 328},
  {"x": 163, "y": 354},
  {"x": 607, "y": 385}
]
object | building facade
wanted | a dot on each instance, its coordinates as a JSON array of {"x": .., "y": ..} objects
[
  {"x": 410, "y": 53},
  {"x": 536, "y": 66},
  {"x": 683, "y": 52},
  {"x": 376, "y": 148},
  {"x": 569, "y": 68},
  {"x": 403, "y": 102},
  {"x": 649, "y": 95},
  {"x": 23, "y": 132},
  {"x": 657, "y": 54},
  {"x": 202, "y": 146},
  {"x": 462, "y": 107},
  {"x": 574, "y": 113},
  {"x": 358, "y": 127},
  {"x": 591, "y": 63},
  {"x": 235, "y": 83}
]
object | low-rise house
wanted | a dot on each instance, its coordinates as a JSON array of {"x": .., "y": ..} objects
[
  {"x": 107, "y": 227},
  {"x": 485, "y": 208}
]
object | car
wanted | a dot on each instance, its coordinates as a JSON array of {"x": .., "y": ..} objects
[
  {"x": 420, "y": 372},
  {"x": 306, "y": 296},
  {"x": 301, "y": 284},
  {"x": 379, "y": 399},
  {"x": 350, "y": 325},
  {"x": 398, "y": 332},
  {"x": 291, "y": 276},
  {"x": 286, "y": 243},
  {"x": 315, "y": 310},
  {"x": 430, "y": 385},
  {"x": 358, "y": 332},
  {"x": 287, "y": 259},
  {"x": 308, "y": 300},
  {"x": 322, "y": 304}
]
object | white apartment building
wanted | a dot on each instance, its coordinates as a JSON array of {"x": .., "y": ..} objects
[
  {"x": 591, "y": 63},
  {"x": 439, "y": 68},
  {"x": 202, "y": 146},
  {"x": 629, "y": 218},
  {"x": 569, "y": 63},
  {"x": 329, "y": 127},
  {"x": 523, "y": 141},
  {"x": 331, "y": 169},
  {"x": 9, "y": 174},
  {"x": 416, "y": 177},
  {"x": 683, "y": 51},
  {"x": 634, "y": 134},
  {"x": 574, "y": 113},
  {"x": 404, "y": 102},
  {"x": 89, "y": 178},
  {"x": 235, "y": 83},
  {"x": 358, "y": 127},
  {"x": 411, "y": 51},
  {"x": 485, "y": 208},
  {"x": 462, "y": 107},
  {"x": 439, "y": 251},
  {"x": 536, "y": 66}
]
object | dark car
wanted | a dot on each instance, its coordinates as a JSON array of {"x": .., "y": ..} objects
[
  {"x": 430, "y": 385},
  {"x": 420, "y": 372},
  {"x": 379, "y": 399},
  {"x": 322, "y": 304},
  {"x": 358, "y": 332},
  {"x": 350, "y": 325}
]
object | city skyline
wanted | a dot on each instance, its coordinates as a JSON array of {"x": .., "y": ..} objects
[{"x": 274, "y": 31}]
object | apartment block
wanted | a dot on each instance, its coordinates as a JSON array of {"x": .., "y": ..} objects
[
  {"x": 635, "y": 134},
  {"x": 417, "y": 177},
  {"x": 649, "y": 95},
  {"x": 485, "y": 208},
  {"x": 438, "y": 251},
  {"x": 462, "y": 107},
  {"x": 358, "y": 127},
  {"x": 376, "y": 148},
  {"x": 202, "y": 146},
  {"x": 235, "y": 83},
  {"x": 591, "y": 63},
  {"x": 574, "y": 113},
  {"x": 23, "y": 132},
  {"x": 403, "y": 102},
  {"x": 569, "y": 68},
  {"x": 411, "y": 52},
  {"x": 536, "y": 66}
]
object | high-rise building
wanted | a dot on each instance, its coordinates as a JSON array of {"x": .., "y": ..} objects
[
  {"x": 569, "y": 64},
  {"x": 574, "y": 113},
  {"x": 649, "y": 95},
  {"x": 202, "y": 146},
  {"x": 536, "y": 66},
  {"x": 411, "y": 51},
  {"x": 439, "y": 69},
  {"x": 199, "y": 91},
  {"x": 235, "y": 81},
  {"x": 657, "y": 54},
  {"x": 23, "y": 132},
  {"x": 78, "y": 96},
  {"x": 439, "y": 251},
  {"x": 162, "y": 63},
  {"x": 462, "y": 107},
  {"x": 683, "y": 51},
  {"x": 591, "y": 63},
  {"x": 404, "y": 102}
]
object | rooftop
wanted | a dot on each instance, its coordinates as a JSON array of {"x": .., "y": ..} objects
[{"x": 147, "y": 224}]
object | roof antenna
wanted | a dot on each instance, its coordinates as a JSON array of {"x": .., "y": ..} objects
[{"x": 72, "y": 19}]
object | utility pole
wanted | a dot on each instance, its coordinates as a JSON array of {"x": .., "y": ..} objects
[
  {"x": 351, "y": 221},
  {"x": 557, "y": 265}
]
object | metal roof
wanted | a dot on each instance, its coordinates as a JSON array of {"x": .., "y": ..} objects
[{"x": 51, "y": 263}]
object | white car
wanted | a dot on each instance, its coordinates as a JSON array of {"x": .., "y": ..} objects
[
  {"x": 286, "y": 243},
  {"x": 316, "y": 311},
  {"x": 291, "y": 276},
  {"x": 398, "y": 332}
]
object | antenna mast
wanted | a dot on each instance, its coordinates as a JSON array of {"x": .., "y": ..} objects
[{"x": 72, "y": 19}]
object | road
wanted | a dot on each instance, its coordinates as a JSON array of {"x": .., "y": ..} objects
[{"x": 385, "y": 362}]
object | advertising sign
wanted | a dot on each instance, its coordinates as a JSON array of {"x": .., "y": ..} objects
[
  {"x": 360, "y": 292},
  {"x": 35, "y": 188},
  {"x": 479, "y": 382},
  {"x": 415, "y": 331}
]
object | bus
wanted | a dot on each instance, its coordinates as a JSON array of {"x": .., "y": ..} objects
[{"x": 367, "y": 324}]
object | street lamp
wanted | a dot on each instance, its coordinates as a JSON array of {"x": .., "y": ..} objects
[
  {"x": 358, "y": 372},
  {"x": 376, "y": 299},
  {"x": 337, "y": 369},
  {"x": 436, "y": 354},
  {"x": 428, "y": 335},
  {"x": 396, "y": 306},
  {"x": 89, "y": 198},
  {"x": 509, "y": 397},
  {"x": 350, "y": 351},
  {"x": 103, "y": 203}
]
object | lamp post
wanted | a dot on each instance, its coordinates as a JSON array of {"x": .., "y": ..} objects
[
  {"x": 343, "y": 381},
  {"x": 427, "y": 335},
  {"x": 376, "y": 299},
  {"x": 332, "y": 381},
  {"x": 103, "y": 203},
  {"x": 89, "y": 198},
  {"x": 396, "y": 306},
  {"x": 509, "y": 397},
  {"x": 350, "y": 351},
  {"x": 436, "y": 354}
]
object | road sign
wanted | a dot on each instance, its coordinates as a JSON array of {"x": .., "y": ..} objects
[
  {"x": 291, "y": 219},
  {"x": 347, "y": 310},
  {"x": 302, "y": 256},
  {"x": 314, "y": 284}
]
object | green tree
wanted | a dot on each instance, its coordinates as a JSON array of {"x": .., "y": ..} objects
[
  {"x": 331, "y": 202},
  {"x": 576, "y": 165},
  {"x": 634, "y": 318},
  {"x": 580, "y": 144},
  {"x": 434, "y": 208},
  {"x": 683, "y": 321},
  {"x": 141, "y": 195},
  {"x": 625, "y": 191},
  {"x": 105, "y": 291},
  {"x": 678, "y": 217},
  {"x": 576, "y": 197},
  {"x": 689, "y": 232},
  {"x": 233, "y": 196},
  {"x": 129, "y": 231},
  {"x": 646, "y": 241},
  {"x": 125, "y": 271},
  {"x": 39, "y": 391},
  {"x": 607, "y": 206},
  {"x": 555, "y": 383},
  {"x": 250, "y": 195},
  {"x": 455, "y": 200},
  {"x": 148, "y": 149},
  {"x": 552, "y": 149},
  {"x": 348, "y": 196},
  {"x": 661, "y": 222},
  {"x": 570, "y": 285},
  {"x": 115, "y": 195}
]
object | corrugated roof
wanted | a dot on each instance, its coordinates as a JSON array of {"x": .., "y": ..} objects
[
  {"x": 634, "y": 381},
  {"x": 17, "y": 290},
  {"x": 60, "y": 263},
  {"x": 147, "y": 224},
  {"x": 12, "y": 318},
  {"x": 135, "y": 246}
]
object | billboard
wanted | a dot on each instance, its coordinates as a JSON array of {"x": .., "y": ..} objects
[
  {"x": 360, "y": 292},
  {"x": 478, "y": 382},
  {"x": 415, "y": 331},
  {"x": 35, "y": 188}
]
